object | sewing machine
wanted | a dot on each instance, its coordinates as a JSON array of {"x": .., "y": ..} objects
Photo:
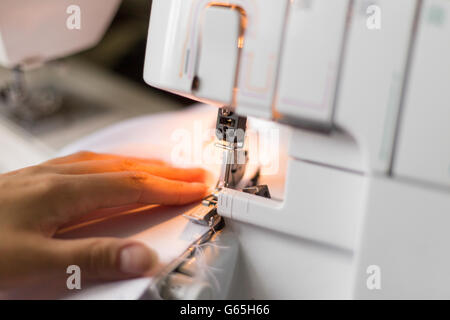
[
  {"x": 358, "y": 93},
  {"x": 364, "y": 85},
  {"x": 49, "y": 98},
  {"x": 34, "y": 33}
]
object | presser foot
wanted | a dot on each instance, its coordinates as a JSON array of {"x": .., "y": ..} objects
[
  {"x": 28, "y": 104},
  {"x": 206, "y": 212}
]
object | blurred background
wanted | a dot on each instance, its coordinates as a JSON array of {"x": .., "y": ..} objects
[
  {"x": 81, "y": 94},
  {"x": 122, "y": 50}
]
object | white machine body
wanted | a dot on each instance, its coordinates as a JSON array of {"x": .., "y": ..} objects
[
  {"x": 33, "y": 32},
  {"x": 365, "y": 87}
]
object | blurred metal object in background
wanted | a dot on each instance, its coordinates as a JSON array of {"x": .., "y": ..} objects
[{"x": 25, "y": 103}]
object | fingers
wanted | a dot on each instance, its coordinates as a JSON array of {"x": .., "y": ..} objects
[
  {"x": 117, "y": 165},
  {"x": 29, "y": 259},
  {"x": 158, "y": 190},
  {"x": 83, "y": 194},
  {"x": 104, "y": 258},
  {"x": 88, "y": 155}
]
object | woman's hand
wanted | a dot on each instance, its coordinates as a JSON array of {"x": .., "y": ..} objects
[{"x": 36, "y": 201}]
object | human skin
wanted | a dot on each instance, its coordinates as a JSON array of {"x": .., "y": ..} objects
[{"x": 35, "y": 202}]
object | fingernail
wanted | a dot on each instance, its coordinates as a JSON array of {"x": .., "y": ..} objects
[
  {"x": 136, "y": 259},
  {"x": 198, "y": 184},
  {"x": 201, "y": 186}
]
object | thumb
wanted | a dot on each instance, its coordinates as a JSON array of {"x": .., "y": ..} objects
[{"x": 106, "y": 258}]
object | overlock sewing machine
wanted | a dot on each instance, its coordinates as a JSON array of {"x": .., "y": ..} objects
[
  {"x": 364, "y": 84},
  {"x": 363, "y": 87}
]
